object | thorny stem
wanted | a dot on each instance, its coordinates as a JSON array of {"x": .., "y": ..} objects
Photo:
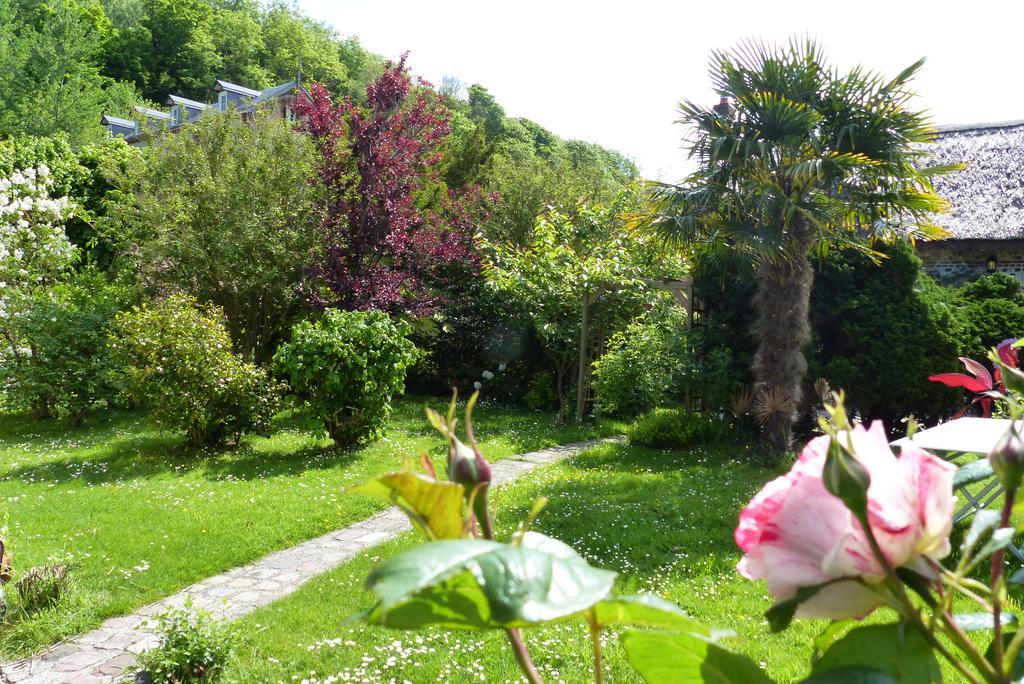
[
  {"x": 967, "y": 646},
  {"x": 911, "y": 612},
  {"x": 997, "y": 589},
  {"x": 523, "y": 656},
  {"x": 515, "y": 638},
  {"x": 595, "y": 640}
]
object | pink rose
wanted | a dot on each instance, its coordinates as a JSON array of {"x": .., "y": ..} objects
[{"x": 794, "y": 533}]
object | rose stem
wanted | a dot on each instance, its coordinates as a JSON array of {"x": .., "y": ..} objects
[
  {"x": 595, "y": 639},
  {"x": 965, "y": 645},
  {"x": 514, "y": 636},
  {"x": 997, "y": 575}
]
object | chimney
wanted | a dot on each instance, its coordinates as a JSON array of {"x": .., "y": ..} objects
[{"x": 723, "y": 108}]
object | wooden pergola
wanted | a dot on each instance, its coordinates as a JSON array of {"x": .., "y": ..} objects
[{"x": 680, "y": 289}]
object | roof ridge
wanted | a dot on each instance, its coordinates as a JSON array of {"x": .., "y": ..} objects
[{"x": 956, "y": 128}]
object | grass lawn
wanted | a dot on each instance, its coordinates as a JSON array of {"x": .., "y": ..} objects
[
  {"x": 140, "y": 517},
  {"x": 663, "y": 520}
]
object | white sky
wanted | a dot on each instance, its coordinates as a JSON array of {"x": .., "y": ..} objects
[{"x": 613, "y": 72}]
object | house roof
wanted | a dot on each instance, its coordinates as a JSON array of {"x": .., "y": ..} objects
[
  {"x": 988, "y": 195},
  {"x": 192, "y": 104},
  {"x": 234, "y": 88},
  {"x": 107, "y": 120},
  {"x": 277, "y": 91},
  {"x": 152, "y": 113}
]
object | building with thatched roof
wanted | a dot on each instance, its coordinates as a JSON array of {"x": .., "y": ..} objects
[{"x": 986, "y": 223}]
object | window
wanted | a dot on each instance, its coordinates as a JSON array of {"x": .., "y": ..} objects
[
  {"x": 289, "y": 114},
  {"x": 222, "y": 101},
  {"x": 176, "y": 115}
]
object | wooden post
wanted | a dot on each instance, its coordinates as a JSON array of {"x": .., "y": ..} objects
[{"x": 581, "y": 379}]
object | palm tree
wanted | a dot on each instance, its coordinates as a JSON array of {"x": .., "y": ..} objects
[{"x": 798, "y": 158}]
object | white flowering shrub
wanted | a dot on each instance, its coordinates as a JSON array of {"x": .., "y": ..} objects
[{"x": 34, "y": 249}]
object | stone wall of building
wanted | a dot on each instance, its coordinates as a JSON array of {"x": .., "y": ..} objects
[{"x": 953, "y": 262}]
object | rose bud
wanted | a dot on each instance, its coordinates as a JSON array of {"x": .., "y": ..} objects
[
  {"x": 846, "y": 479},
  {"x": 1007, "y": 459},
  {"x": 467, "y": 467}
]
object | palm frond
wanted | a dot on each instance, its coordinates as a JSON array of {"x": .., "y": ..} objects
[{"x": 844, "y": 151}]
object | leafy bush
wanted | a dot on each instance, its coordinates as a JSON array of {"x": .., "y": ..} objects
[
  {"x": 540, "y": 392},
  {"x": 60, "y": 361},
  {"x": 676, "y": 428},
  {"x": 194, "y": 647},
  {"x": 646, "y": 365},
  {"x": 987, "y": 311},
  {"x": 344, "y": 369},
  {"x": 239, "y": 231},
  {"x": 475, "y": 329},
  {"x": 881, "y": 330},
  {"x": 176, "y": 357}
]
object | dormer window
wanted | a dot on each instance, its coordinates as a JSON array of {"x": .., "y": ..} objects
[
  {"x": 222, "y": 101},
  {"x": 176, "y": 115}
]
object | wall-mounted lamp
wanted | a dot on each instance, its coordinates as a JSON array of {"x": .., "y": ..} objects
[{"x": 991, "y": 263}]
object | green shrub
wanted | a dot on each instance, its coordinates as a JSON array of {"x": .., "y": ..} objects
[
  {"x": 345, "y": 368},
  {"x": 175, "y": 357},
  {"x": 646, "y": 365},
  {"x": 60, "y": 362},
  {"x": 540, "y": 392},
  {"x": 880, "y": 331},
  {"x": 476, "y": 329},
  {"x": 194, "y": 647},
  {"x": 677, "y": 428},
  {"x": 987, "y": 311}
]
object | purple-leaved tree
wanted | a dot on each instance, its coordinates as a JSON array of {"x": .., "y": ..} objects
[{"x": 386, "y": 250}]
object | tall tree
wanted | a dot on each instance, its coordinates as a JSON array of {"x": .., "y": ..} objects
[
  {"x": 226, "y": 214},
  {"x": 799, "y": 156},
  {"x": 238, "y": 38},
  {"x": 170, "y": 50},
  {"x": 50, "y": 79},
  {"x": 292, "y": 40},
  {"x": 578, "y": 272},
  {"x": 386, "y": 248}
]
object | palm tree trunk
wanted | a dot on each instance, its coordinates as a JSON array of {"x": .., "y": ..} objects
[{"x": 782, "y": 303}]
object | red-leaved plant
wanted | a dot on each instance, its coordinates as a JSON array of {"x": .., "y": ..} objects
[
  {"x": 387, "y": 247},
  {"x": 980, "y": 381}
]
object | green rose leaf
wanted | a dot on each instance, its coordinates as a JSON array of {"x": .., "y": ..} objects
[
  {"x": 646, "y": 611},
  {"x": 1017, "y": 669},
  {"x": 435, "y": 508},
  {"x": 896, "y": 650},
  {"x": 1000, "y": 539},
  {"x": 662, "y": 657},
  {"x": 982, "y": 522},
  {"x": 972, "y": 472},
  {"x": 830, "y": 635},
  {"x": 781, "y": 614},
  {"x": 478, "y": 584}
]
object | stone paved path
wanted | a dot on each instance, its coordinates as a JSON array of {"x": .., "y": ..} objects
[{"x": 105, "y": 653}]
